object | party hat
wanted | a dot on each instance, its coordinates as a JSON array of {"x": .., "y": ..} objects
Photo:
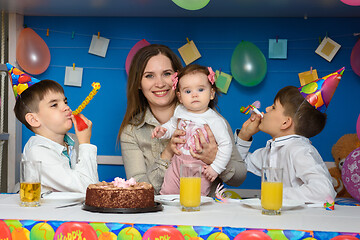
[
  {"x": 319, "y": 92},
  {"x": 20, "y": 80}
]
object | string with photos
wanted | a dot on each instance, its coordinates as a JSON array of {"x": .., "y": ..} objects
[{"x": 167, "y": 42}]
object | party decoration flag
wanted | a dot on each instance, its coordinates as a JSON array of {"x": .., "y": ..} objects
[
  {"x": 223, "y": 81},
  {"x": 189, "y": 52},
  {"x": 308, "y": 76},
  {"x": 140, "y": 44},
  {"x": 20, "y": 80},
  {"x": 328, "y": 48},
  {"x": 99, "y": 46},
  {"x": 319, "y": 93},
  {"x": 278, "y": 48}
]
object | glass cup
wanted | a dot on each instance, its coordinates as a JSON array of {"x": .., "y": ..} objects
[
  {"x": 30, "y": 183},
  {"x": 271, "y": 190},
  {"x": 190, "y": 187}
]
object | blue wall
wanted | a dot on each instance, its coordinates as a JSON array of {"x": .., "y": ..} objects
[{"x": 216, "y": 39}]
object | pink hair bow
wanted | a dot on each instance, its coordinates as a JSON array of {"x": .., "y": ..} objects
[
  {"x": 211, "y": 76},
  {"x": 175, "y": 80}
]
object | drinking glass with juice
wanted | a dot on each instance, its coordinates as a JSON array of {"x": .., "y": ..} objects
[
  {"x": 190, "y": 187},
  {"x": 30, "y": 183},
  {"x": 271, "y": 190}
]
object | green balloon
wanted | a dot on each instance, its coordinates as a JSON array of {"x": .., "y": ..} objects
[
  {"x": 191, "y": 4},
  {"x": 248, "y": 64}
]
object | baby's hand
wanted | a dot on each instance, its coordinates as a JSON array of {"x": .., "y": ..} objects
[
  {"x": 210, "y": 173},
  {"x": 85, "y": 134},
  {"x": 158, "y": 132}
]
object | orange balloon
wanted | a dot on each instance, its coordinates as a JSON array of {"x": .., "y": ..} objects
[{"x": 32, "y": 53}]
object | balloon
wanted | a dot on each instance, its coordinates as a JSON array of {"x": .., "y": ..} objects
[
  {"x": 191, "y": 4},
  {"x": 140, "y": 44},
  {"x": 248, "y": 64},
  {"x": 355, "y": 58},
  {"x": 252, "y": 235},
  {"x": 344, "y": 237},
  {"x": 352, "y": 2},
  {"x": 32, "y": 53},
  {"x": 358, "y": 127},
  {"x": 350, "y": 174}
]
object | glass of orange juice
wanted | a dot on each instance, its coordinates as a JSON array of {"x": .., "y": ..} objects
[
  {"x": 271, "y": 190},
  {"x": 30, "y": 183},
  {"x": 190, "y": 187}
]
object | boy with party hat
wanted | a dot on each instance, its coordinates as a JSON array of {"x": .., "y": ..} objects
[
  {"x": 295, "y": 116},
  {"x": 42, "y": 107}
]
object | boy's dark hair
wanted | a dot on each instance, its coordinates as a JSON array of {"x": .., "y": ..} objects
[
  {"x": 28, "y": 101},
  {"x": 192, "y": 69},
  {"x": 307, "y": 120}
]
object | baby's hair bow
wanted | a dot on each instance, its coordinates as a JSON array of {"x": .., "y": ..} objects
[
  {"x": 211, "y": 76},
  {"x": 175, "y": 80}
]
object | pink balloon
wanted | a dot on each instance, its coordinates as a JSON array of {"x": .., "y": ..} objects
[
  {"x": 140, "y": 44},
  {"x": 358, "y": 127},
  {"x": 355, "y": 58},
  {"x": 32, "y": 53},
  {"x": 350, "y": 173},
  {"x": 352, "y": 2}
]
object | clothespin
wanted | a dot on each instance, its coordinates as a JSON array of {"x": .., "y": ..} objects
[
  {"x": 47, "y": 32},
  {"x": 326, "y": 34},
  {"x": 73, "y": 66},
  {"x": 72, "y": 35},
  {"x": 187, "y": 39},
  {"x": 310, "y": 70},
  {"x": 277, "y": 39},
  {"x": 319, "y": 40},
  {"x": 219, "y": 71},
  {"x": 98, "y": 35}
]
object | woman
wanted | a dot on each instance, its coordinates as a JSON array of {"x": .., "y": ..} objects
[{"x": 151, "y": 102}]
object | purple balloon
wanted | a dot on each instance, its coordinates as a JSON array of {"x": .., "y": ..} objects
[
  {"x": 355, "y": 58},
  {"x": 350, "y": 174}
]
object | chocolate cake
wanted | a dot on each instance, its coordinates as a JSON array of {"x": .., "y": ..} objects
[{"x": 120, "y": 194}]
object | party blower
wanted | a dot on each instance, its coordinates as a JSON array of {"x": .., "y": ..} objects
[
  {"x": 81, "y": 125},
  {"x": 252, "y": 108}
]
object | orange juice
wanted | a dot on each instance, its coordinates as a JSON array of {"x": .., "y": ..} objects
[
  {"x": 30, "y": 192},
  {"x": 190, "y": 191},
  {"x": 271, "y": 195}
]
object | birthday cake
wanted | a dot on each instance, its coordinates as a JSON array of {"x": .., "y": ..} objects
[{"x": 120, "y": 194}]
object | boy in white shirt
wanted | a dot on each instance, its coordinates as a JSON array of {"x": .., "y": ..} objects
[
  {"x": 43, "y": 109},
  {"x": 290, "y": 121}
]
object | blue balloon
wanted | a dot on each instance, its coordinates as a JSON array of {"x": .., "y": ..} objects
[{"x": 248, "y": 64}]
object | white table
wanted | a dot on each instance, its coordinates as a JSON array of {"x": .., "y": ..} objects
[{"x": 236, "y": 215}]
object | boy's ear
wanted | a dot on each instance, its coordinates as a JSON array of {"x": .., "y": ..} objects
[
  {"x": 32, "y": 120},
  {"x": 178, "y": 94},
  {"x": 287, "y": 123}
]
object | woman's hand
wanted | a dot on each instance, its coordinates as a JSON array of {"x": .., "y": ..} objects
[
  {"x": 171, "y": 148},
  {"x": 207, "y": 152}
]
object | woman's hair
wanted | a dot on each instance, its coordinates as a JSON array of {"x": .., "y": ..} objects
[
  {"x": 195, "y": 68},
  {"x": 136, "y": 101},
  {"x": 28, "y": 101},
  {"x": 308, "y": 121}
]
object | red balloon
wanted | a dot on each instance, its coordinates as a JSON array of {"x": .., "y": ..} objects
[
  {"x": 140, "y": 44},
  {"x": 4, "y": 231},
  {"x": 344, "y": 237},
  {"x": 32, "y": 53},
  {"x": 75, "y": 230},
  {"x": 355, "y": 58},
  {"x": 163, "y": 232},
  {"x": 252, "y": 235},
  {"x": 352, "y": 2}
]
